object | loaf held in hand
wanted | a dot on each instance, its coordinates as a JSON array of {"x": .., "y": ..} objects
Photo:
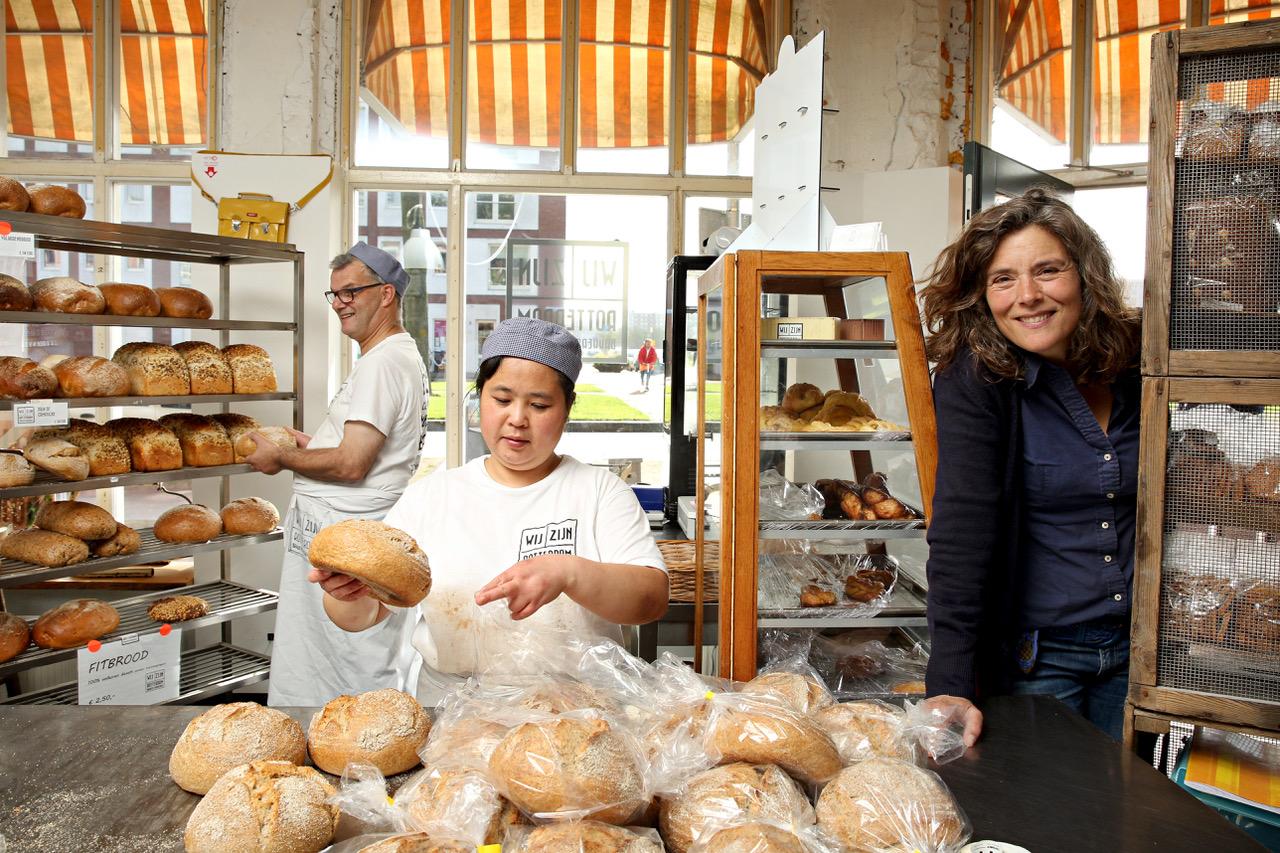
[
  {"x": 251, "y": 369},
  {"x": 15, "y": 636},
  {"x": 385, "y": 728},
  {"x": 185, "y": 302},
  {"x": 76, "y": 518},
  {"x": 265, "y": 806},
  {"x": 23, "y": 379},
  {"x": 208, "y": 368},
  {"x": 67, "y": 295},
  {"x": 387, "y": 560},
  {"x": 60, "y": 458},
  {"x": 14, "y": 295},
  {"x": 74, "y": 623},
  {"x": 246, "y": 444},
  {"x": 90, "y": 376},
  {"x": 130, "y": 300},
  {"x": 53, "y": 200},
  {"x": 106, "y": 452},
  {"x": 154, "y": 370},
  {"x": 229, "y": 735},
  {"x": 204, "y": 442},
  {"x": 188, "y": 523},
  {"x": 249, "y": 516},
  {"x": 151, "y": 446},
  {"x": 237, "y": 427}
]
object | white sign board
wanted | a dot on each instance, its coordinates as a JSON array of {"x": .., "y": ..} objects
[
  {"x": 38, "y": 413},
  {"x": 18, "y": 246},
  {"x": 136, "y": 669}
]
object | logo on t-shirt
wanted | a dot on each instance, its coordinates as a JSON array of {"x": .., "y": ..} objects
[{"x": 558, "y": 537}]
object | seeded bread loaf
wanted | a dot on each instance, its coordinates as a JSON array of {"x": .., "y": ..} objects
[
  {"x": 130, "y": 300},
  {"x": 106, "y": 452},
  {"x": 230, "y": 735},
  {"x": 264, "y": 806},
  {"x": 237, "y": 426},
  {"x": 251, "y": 369},
  {"x": 385, "y": 728},
  {"x": 67, "y": 295},
  {"x": 151, "y": 446},
  {"x": 207, "y": 366},
  {"x": 204, "y": 442},
  {"x": 386, "y": 559},
  {"x": 177, "y": 608},
  {"x": 23, "y": 379},
  {"x": 155, "y": 370},
  {"x": 76, "y": 518},
  {"x": 15, "y": 636},
  {"x": 74, "y": 623}
]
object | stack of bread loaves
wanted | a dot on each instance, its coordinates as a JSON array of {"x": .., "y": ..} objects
[{"x": 68, "y": 532}]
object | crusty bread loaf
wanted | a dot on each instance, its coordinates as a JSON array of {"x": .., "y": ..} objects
[
  {"x": 229, "y": 735},
  {"x": 264, "y": 806},
  {"x": 151, "y": 446},
  {"x": 154, "y": 370},
  {"x": 386, "y": 559},
  {"x": 177, "y": 608},
  {"x": 184, "y": 302},
  {"x": 56, "y": 201},
  {"x": 58, "y": 457},
  {"x": 237, "y": 426},
  {"x": 732, "y": 792},
  {"x": 15, "y": 636},
  {"x": 251, "y": 369},
  {"x": 74, "y": 623},
  {"x": 570, "y": 764},
  {"x": 125, "y": 541},
  {"x": 90, "y": 376},
  {"x": 13, "y": 196},
  {"x": 883, "y": 804},
  {"x": 249, "y": 515},
  {"x": 106, "y": 452},
  {"x": 752, "y": 838},
  {"x": 417, "y": 842},
  {"x": 67, "y": 295},
  {"x": 246, "y": 444},
  {"x": 463, "y": 799},
  {"x": 801, "y": 693},
  {"x": 188, "y": 523},
  {"x": 76, "y": 518},
  {"x": 23, "y": 379},
  {"x": 385, "y": 728},
  {"x": 210, "y": 373},
  {"x": 14, "y": 295},
  {"x": 758, "y": 731},
  {"x": 15, "y": 470},
  {"x": 864, "y": 729},
  {"x": 130, "y": 300},
  {"x": 204, "y": 442},
  {"x": 587, "y": 836},
  {"x": 801, "y": 397},
  {"x": 466, "y": 742}
]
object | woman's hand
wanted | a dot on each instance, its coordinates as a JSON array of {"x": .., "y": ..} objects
[
  {"x": 531, "y": 584},
  {"x": 959, "y": 710},
  {"x": 340, "y": 586}
]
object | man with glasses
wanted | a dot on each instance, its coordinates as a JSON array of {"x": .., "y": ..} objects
[{"x": 355, "y": 466}]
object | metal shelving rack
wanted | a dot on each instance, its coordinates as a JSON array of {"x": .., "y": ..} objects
[{"x": 213, "y": 669}]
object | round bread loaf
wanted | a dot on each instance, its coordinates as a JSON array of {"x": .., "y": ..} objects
[
  {"x": 210, "y": 373},
  {"x": 76, "y": 518},
  {"x": 883, "y": 804},
  {"x": 245, "y": 444},
  {"x": 465, "y": 742},
  {"x": 56, "y": 201},
  {"x": 14, "y": 636},
  {"x": 266, "y": 807},
  {"x": 15, "y": 470},
  {"x": 125, "y": 541},
  {"x": 570, "y": 764},
  {"x": 188, "y": 523},
  {"x": 416, "y": 842},
  {"x": 865, "y": 729},
  {"x": 74, "y": 623},
  {"x": 801, "y": 396},
  {"x": 746, "y": 729},
  {"x": 177, "y": 608},
  {"x": 90, "y": 376},
  {"x": 249, "y": 515},
  {"x": 13, "y": 196},
  {"x": 67, "y": 295},
  {"x": 227, "y": 736},
  {"x": 385, "y": 728},
  {"x": 14, "y": 295},
  {"x": 752, "y": 838},
  {"x": 587, "y": 836},
  {"x": 43, "y": 548},
  {"x": 184, "y": 302},
  {"x": 23, "y": 379},
  {"x": 130, "y": 300},
  {"x": 463, "y": 800},
  {"x": 732, "y": 793},
  {"x": 251, "y": 369},
  {"x": 387, "y": 560},
  {"x": 801, "y": 693}
]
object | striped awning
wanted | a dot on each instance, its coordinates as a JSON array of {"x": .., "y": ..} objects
[
  {"x": 515, "y": 58},
  {"x": 1036, "y": 52},
  {"x": 163, "y": 72}
]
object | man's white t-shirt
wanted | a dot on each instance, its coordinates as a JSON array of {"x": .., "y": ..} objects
[
  {"x": 388, "y": 388},
  {"x": 473, "y": 528}
]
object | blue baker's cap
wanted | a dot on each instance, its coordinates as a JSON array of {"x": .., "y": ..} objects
[
  {"x": 383, "y": 264},
  {"x": 535, "y": 340}
]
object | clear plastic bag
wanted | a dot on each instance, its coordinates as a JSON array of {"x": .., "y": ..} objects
[
  {"x": 456, "y": 803},
  {"x": 729, "y": 794},
  {"x": 884, "y": 804},
  {"x": 938, "y": 729},
  {"x": 417, "y": 842},
  {"x": 791, "y": 680},
  {"x": 362, "y": 799},
  {"x": 805, "y": 583},
  {"x": 856, "y": 669},
  {"x": 783, "y": 500},
  {"x": 866, "y": 729},
  {"x": 587, "y": 836},
  {"x": 763, "y": 837},
  {"x": 762, "y": 730}
]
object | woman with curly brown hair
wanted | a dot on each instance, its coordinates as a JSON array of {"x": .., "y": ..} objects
[{"x": 1037, "y": 394}]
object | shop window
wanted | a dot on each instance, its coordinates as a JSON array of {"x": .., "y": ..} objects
[
  {"x": 730, "y": 52},
  {"x": 163, "y": 61},
  {"x": 705, "y": 216},
  {"x": 495, "y": 207},
  {"x": 51, "y": 103}
]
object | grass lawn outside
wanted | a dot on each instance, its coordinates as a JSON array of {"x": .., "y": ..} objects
[
  {"x": 592, "y": 405},
  {"x": 715, "y": 405}
]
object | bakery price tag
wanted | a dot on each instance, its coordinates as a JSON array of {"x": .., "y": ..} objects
[
  {"x": 15, "y": 244},
  {"x": 37, "y": 413},
  {"x": 136, "y": 669}
]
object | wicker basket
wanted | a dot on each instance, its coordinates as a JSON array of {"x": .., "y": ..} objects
[{"x": 679, "y": 555}]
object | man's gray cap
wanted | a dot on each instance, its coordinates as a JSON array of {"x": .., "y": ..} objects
[
  {"x": 535, "y": 340},
  {"x": 383, "y": 264}
]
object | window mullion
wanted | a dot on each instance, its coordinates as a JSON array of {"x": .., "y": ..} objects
[
  {"x": 460, "y": 50},
  {"x": 569, "y": 92},
  {"x": 678, "y": 102},
  {"x": 1083, "y": 40}
]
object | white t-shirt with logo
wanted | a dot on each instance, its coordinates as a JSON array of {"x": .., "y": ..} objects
[
  {"x": 473, "y": 528},
  {"x": 388, "y": 388}
]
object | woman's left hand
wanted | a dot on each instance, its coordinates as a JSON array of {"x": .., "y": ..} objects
[{"x": 531, "y": 584}]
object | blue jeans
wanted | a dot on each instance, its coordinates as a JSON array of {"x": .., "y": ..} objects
[{"x": 1087, "y": 667}]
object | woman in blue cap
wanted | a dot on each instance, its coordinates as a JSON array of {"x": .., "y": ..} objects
[{"x": 565, "y": 544}]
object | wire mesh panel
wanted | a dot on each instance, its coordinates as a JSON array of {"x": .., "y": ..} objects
[
  {"x": 1220, "y": 575},
  {"x": 1225, "y": 285}
]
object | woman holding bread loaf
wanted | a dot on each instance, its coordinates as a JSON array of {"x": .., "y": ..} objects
[
  {"x": 564, "y": 544},
  {"x": 1037, "y": 393}
]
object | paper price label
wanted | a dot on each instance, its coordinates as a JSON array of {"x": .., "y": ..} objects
[
  {"x": 18, "y": 245},
  {"x": 38, "y": 413},
  {"x": 136, "y": 669}
]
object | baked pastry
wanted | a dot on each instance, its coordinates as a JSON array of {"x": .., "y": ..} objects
[
  {"x": 90, "y": 376},
  {"x": 177, "y": 608},
  {"x": 251, "y": 369},
  {"x": 842, "y": 500},
  {"x": 188, "y": 523},
  {"x": 801, "y": 396},
  {"x": 1258, "y": 626},
  {"x": 14, "y": 295},
  {"x": 863, "y": 589},
  {"x": 245, "y": 445},
  {"x": 385, "y": 559},
  {"x": 866, "y": 728},
  {"x": 15, "y": 636},
  {"x": 237, "y": 426},
  {"x": 839, "y": 408},
  {"x": 13, "y": 196},
  {"x": 106, "y": 452},
  {"x": 76, "y": 518},
  {"x": 23, "y": 379},
  {"x": 908, "y": 688},
  {"x": 67, "y": 295},
  {"x": 815, "y": 596},
  {"x": 184, "y": 302},
  {"x": 125, "y": 541},
  {"x": 249, "y": 515},
  {"x": 58, "y": 457},
  {"x": 154, "y": 370},
  {"x": 203, "y": 440},
  {"x": 417, "y": 842},
  {"x": 15, "y": 470},
  {"x": 570, "y": 764},
  {"x": 385, "y": 728},
  {"x": 883, "y": 804},
  {"x": 43, "y": 548},
  {"x": 208, "y": 368},
  {"x": 462, "y": 799},
  {"x": 264, "y": 806},
  {"x": 227, "y": 736},
  {"x": 778, "y": 419},
  {"x": 130, "y": 300},
  {"x": 752, "y": 838},
  {"x": 1262, "y": 481},
  {"x": 757, "y": 731},
  {"x": 74, "y": 623},
  {"x": 56, "y": 201},
  {"x": 1230, "y": 247},
  {"x": 587, "y": 836},
  {"x": 803, "y": 694},
  {"x": 1212, "y": 131},
  {"x": 733, "y": 792},
  {"x": 151, "y": 446}
]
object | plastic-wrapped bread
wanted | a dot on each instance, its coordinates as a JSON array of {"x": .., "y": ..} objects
[
  {"x": 761, "y": 837},
  {"x": 757, "y": 730},
  {"x": 866, "y": 729},
  {"x": 802, "y": 692},
  {"x": 732, "y": 793},
  {"x": 155, "y": 370},
  {"x": 208, "y": 368},
  {"x": 583, "y": 836},
  {"x": 251, "y": 369},
  {"x": 462, "y": 800},
  {"x": 884, "y": 804}
]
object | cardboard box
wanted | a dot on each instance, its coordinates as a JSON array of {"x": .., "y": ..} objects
[
  {"x": 862, "y": 330},
  {"x": 799, "y": 329}
]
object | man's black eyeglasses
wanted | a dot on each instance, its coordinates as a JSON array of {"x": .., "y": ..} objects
[{"x": 348, "y": 294}]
